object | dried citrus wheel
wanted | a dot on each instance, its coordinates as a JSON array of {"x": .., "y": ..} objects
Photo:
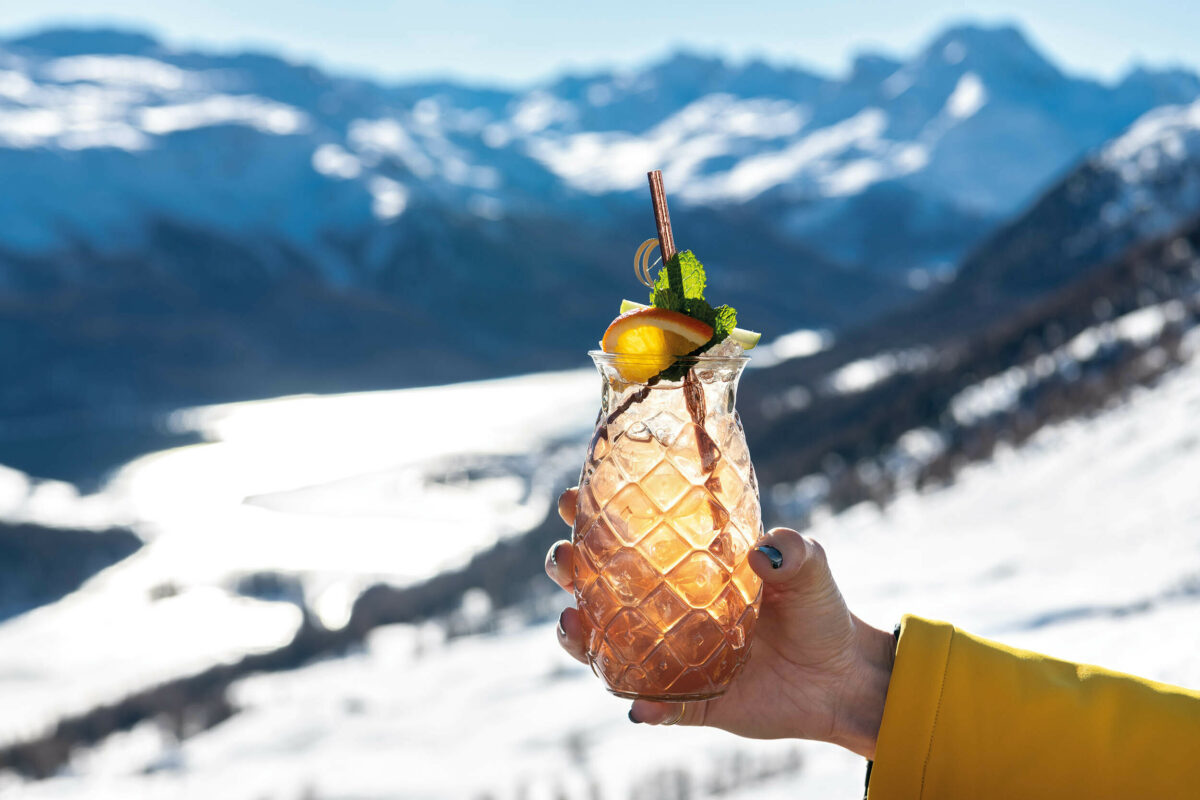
[{"x": 654, "y": 336}]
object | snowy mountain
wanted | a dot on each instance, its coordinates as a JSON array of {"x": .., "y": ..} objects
[
  {"x": 1101, "y": 219},
  {"x": 1142, "y": 184},
  {"x": 183, "y": 226},
  {"x": 113, "y": 128}
]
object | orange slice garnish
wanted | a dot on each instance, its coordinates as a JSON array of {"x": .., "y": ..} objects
[{"x": 655, "y": 337}]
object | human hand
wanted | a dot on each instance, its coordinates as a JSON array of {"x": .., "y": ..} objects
[{"x": 815, "y": 671}]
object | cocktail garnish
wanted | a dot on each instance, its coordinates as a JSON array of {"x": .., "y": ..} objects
[
  {"x": 662, "y": 334},
  {"x": 653, "y": 338},
  {"x": 745, "y": 339},
  {"x": 680, "y": 287},
  {"x": 641, "y": 262}
]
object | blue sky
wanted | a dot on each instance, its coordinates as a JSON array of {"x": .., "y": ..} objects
[{"x": 517, "y": 42}]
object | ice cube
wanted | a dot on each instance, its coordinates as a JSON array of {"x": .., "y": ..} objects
[
  {"x": 639, "y": 432},
  {"x": 728, "y": 348}
]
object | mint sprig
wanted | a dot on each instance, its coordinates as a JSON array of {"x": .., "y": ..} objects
[{"x": 680, "y": 287}]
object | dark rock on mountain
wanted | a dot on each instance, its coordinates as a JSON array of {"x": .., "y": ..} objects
[{"x": 39, "y": 565}]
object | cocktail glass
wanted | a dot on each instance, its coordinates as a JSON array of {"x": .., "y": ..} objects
[{"x": 668, "y": 510}]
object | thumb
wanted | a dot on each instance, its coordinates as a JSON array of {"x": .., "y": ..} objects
[
  {"x": 800, "y": 594},
  {"x": 790, "y": 563}
]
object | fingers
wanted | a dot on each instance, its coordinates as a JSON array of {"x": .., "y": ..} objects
[
  {"x": 785, "y": 558},
  {"x": 560, "y": 568},
  {"x": 570, "y": 634},
  {"x": 566, "y": 505},
  {"x": 653, "y": 712},
  {"x": 560, "y": 564}
]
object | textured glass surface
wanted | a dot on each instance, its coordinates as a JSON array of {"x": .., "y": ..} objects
[{"x": 668, "y": 510}]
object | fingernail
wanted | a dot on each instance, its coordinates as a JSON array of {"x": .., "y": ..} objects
[
  {"x": 561, "y": 630},
  {"x": 634, "y": 719},
  {"x": 772, "y": 554},
  {"x": 554, "y": 555}
]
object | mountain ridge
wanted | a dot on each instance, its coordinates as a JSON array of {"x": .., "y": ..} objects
[{"x": 188, "y": 227}]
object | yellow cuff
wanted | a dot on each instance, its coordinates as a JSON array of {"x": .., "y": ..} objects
[
  {"x": 967, "y": 717},
  {"x": 909, "y": 716}
]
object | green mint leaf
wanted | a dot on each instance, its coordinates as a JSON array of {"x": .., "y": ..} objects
[
  {"x": 699, "y": 309},
  {"x": 724, "y": 321},
  {"x": 664, "y": 295},
  {"x": 675, "y": 372},
  {"x": 680, "y": 279},
  {"x": 674, "y": 274},
  {"x": 691, "y": 273},
  {"x": 721, "y": 319},
  {"x": 680, "y": 286},
  {"x": 667, "y": 298}
]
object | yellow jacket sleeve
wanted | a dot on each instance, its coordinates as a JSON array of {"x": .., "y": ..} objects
[{"x": 970, "y": 718}]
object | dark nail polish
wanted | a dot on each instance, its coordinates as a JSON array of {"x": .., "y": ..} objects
[
  {"x": 634, "y": 719},
  {"x": 772, "y": 554},
  {"x": 554, "y": 555},
  {"x": 562, "y": 631}
]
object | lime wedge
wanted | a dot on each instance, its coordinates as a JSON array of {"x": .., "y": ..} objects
[{"x": 747, "y": 339}]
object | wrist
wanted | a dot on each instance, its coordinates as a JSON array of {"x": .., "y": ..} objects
[{"x": 859, "y": 708}]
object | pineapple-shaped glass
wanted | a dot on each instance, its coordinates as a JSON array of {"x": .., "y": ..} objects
[{"x": 667, "y": 513}]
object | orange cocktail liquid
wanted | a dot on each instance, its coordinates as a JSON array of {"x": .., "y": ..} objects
[{"x": 668, "y": 511}]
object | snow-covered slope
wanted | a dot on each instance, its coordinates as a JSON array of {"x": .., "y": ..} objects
[
  {"x": 1083, "y": 544},
  {"x": 1157, "y": 164},
  {"x": 319, "y": 496}
]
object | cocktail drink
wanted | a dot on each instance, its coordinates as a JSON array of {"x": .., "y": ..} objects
[
  {"x": 668, "y": 504},
  {"x": 668, "y": 510}
]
